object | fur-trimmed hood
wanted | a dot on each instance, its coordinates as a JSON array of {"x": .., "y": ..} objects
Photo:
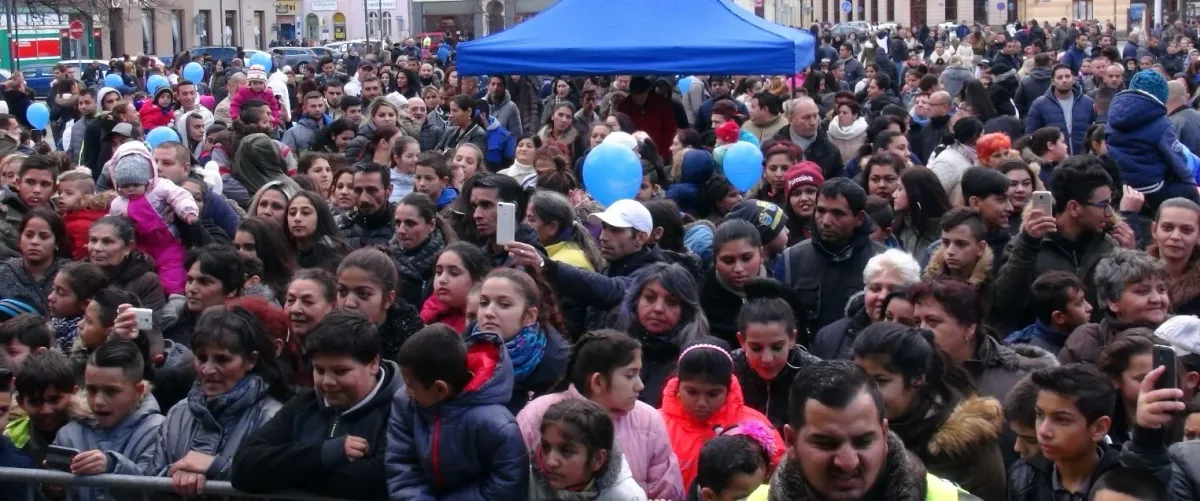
[
  {"x": 979, "y": 275},
  {"x": 1034, "y": 357},
  {"x": 1187, "y": 287},
  {"x": 904, "y": 474},
  {"x": 974, "y": 422}
]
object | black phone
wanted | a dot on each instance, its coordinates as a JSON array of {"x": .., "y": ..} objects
[
  {"x": 59, "y": 458},
  {"x": 1165, "y": 356}
]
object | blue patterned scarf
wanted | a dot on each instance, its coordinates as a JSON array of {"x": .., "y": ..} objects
[{"x": 525, "y": 349}]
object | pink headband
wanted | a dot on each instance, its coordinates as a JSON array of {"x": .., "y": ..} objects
[{"x": 704, "y": 345}]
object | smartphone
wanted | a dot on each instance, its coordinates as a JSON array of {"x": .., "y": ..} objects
[
  {"x": 145, "y": 318},
  {"x": 1044, "y": 201},
  {"x": 59, "y": 458},
  {"x": 506, "y": 222},
  {"x": 1165, "y": 356}
]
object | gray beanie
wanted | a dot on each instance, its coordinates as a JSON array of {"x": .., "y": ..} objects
[{"x": 131, "y": 169}]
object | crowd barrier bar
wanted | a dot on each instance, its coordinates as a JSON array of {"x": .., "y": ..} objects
[{"x": 149, "y": 486}]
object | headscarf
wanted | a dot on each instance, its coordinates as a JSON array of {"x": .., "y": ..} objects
[{"x": 258, "y": 161}]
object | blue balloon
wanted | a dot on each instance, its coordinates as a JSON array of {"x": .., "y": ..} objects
[
  {"x": 612, "y": 173},
  {"x": 262, "y": 59},
  {"x": 194, "y": 72},
  {"x": 114, "y": 80},
  {"x": 743, "y": 165},
  {"x": 161, "y": 134},
  {"x": 38, "y": 115},
  {"x": 684, "y": 84},
  {"x": 155, "y": 82}
]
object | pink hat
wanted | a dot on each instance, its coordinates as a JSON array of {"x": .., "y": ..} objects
[{"x": 208, "y": 102}]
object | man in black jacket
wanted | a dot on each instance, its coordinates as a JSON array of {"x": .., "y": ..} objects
[
  {"x": 1035, "y": 84},
  {"x": 371, "y": 222},
  {"x": 804, "y": 129},
  {"x": 827, "y": 270}
]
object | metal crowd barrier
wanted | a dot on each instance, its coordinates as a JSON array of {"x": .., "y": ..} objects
[{"x": 148, "y": 487}]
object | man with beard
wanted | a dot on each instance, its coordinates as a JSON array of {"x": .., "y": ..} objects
[
  {"x": 427, "y": 134},
  {"x": 371, "y": 222},
  {"x": 825, "y": 271},
  {"x": 924, "y": 136},
  {"x": 839, "y": 446},
  {"x": 427, "y": 77},
  {"x": 86, "y": 107}
]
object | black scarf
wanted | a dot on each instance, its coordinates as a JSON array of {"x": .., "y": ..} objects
[{"x": 412, "y": 265}]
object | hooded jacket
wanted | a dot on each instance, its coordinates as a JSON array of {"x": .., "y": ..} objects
[
  {"x": 79, "y": 221},
  {"x": 454, "y": 136},
  {"x": 614, "y": 483},
  {"x": 688, "y": 435},
  {"x": 695, "y": 170},
  {"x": 1025, "y": 259},
  {"x": 466, "y": 447},
  {"x": 12, "y": 211},
  {"x": 1032, "y": 87},
  {"x": 848, "y": 139},
  {"x": 354, "y": 148},
  {"x": 955, "y": 77},
  {"x": 834, "y": 341},
  {"x": 902, "y": 478},
  {"x": 641, "y": 433},
  {"x": 300, "y": 136},
  {"x": 303, "y": 445},
  {"x": 770, "y": 397},
  {"x": 1087, "y": 341},
  {"x": 1038, "y": 335},
  {"x": 1046, "y": 111},
  {"x": 124, "y": 443},
  {"x": 154, "y": 116},
  {"x": 216, "y": 427},
  {"x": 1143, "y": 142},
  {"x": 16, "y": 281},
  {"x": 507, "y": 114},
  {"x": 962, "y": 444},
  {"x": 996, "y": 368}
]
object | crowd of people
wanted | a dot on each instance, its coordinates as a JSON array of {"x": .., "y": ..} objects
[{"x": 954, "y": 280}]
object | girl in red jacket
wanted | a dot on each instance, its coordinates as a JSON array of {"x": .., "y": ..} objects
[
  {"x": 160, "y": 111},
  {"x": 459, "y": 267},
  {"x": 703, "y": 401}
]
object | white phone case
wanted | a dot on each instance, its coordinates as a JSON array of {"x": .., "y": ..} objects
[{"x": 506, "y": 222}]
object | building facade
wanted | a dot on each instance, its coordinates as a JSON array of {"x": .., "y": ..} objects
[
  {"x": 475, "y": 17},
  {"x": 180, "y": 24},
  {"x": 911, "y": 12},
  {"x": 335, "y": 20}
]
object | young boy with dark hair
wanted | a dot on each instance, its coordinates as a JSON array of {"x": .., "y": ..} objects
[
  {"x": 329, "y": 439},
  {"x": 25, "y": 334},
  {"x": 433, "y": 178},
  {"x": 1124, "y": 484},
  {"x": 879, "y": 210},
  {"x": 649, "y": 189},
  {"x": 963, "y": 254},
  {"x": 125, "y": 417},
  {"x": 46, "y": 391},
  {"x": 1075, "y": 404},
  {"x": 1059, "y": 306},
  {"x": 457, "y": 392},
  {"x": 1020, "y": 410}
]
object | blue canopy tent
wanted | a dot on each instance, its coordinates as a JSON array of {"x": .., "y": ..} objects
[{"x": 641, "y": 37}]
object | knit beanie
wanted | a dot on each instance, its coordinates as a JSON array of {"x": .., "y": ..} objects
[
  {"x": 256, "y": 72},
  {"x": 131, "y": 169},
  {"x": 806, "y": 172},
  {"x": 766, "y": 217},
  {"x": 728, "y": 132},
  {"x": 1150, "y": 82}
]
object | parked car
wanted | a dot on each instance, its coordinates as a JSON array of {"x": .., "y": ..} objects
[
  {"x": 322, "y": 53},
  {"x": 859, "y": 28},
  {"x": 295, "y": 57},
  {"x": 224, "y": 54}
]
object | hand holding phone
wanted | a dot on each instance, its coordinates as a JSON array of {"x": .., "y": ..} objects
[
  {"x": 506, "y": 222},
  {"x": 1164, "y": 356},
  {"x": 59, "y": 458}
]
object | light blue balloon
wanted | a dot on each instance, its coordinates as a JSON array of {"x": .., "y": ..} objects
[
  {"x": 114, "y": 80},
  {"x": 38, "y": 115},
  {"x": 261, "y": 59},
  {"x": 194, "y": 72},
  {"x": 155, "y": 82},
  {"x": 684, "y": 84},
  {"x": 159, "y": 135},
  {"x": 612, "y": 173},
  {"x": 743, "y": 165}
]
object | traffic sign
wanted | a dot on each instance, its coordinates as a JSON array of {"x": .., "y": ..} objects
[
  {"x": 847, "y": 6},
  {"x": 76, "y": 29},
  {"x": 1000, "y": 5}
]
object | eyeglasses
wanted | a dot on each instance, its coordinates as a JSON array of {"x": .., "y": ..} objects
[{"x": 1104, "y": 205}]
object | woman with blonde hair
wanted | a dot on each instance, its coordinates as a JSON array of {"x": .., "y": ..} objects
[{"x": 381, "y": 112}]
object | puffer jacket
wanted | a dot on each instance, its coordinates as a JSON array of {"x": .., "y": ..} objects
[
  {"x": 466, "y": 447},
  {"x": 996, "y": 368},
  {"x": 1026, "y": 258},
  {"x": 137, "y": 274},
  {"x": 1045, "y": 111},
  {"x": 1033, "y": 480},
  {"x": 614, "y": 483},
  {"x": 1177, "y": 466},
  {"x": 688, "y": 435},
  {"x": 216, "y": 427},
  {"x": 123, "y": 444},
  {"x": 1032, "y": 87},
  {"x": 1087, "y": 341},
  {"x": 959, "y": 443},
  {"x": 79, "y": 221},
  {"x": 1143, "y": 142},
  {"x": 454, "y": 136},
  {"x": 303, "y": 445},
  {"x": 641, "y": 433},
  {"x": 354, "y": 148},
  {"x": 12, "y": 211},
  {"x": 834, "y": 341},
  {"x": 695, "y": 170},
  {"x": 300, "y": 136},
  {"x": 365, "y": 230},
  {"x": 770, "y": 397},
  {"x": 15, "y": 281},
  {"x": 507, "y": 114},
  {"x": 955, "y": 77},
  {"x": 950, "y": 164}
]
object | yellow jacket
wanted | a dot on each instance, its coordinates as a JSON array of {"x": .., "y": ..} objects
[
  {"x": 569, "y": 253},
  {"x": 936, "y": 489}
]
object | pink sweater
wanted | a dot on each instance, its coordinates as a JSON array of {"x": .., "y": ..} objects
[{"x": 641, "y": 433}]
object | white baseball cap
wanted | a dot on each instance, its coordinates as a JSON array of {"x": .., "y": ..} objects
[
  {"x": 622, "y": 139},
  {"x": 1182, "y": 332},
  {"x": 626, "y": 214}
]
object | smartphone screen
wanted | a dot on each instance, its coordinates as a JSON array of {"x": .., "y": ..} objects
[
  {"x": 1165, "y": 356},
  {"x": 506, "y": 222}
]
